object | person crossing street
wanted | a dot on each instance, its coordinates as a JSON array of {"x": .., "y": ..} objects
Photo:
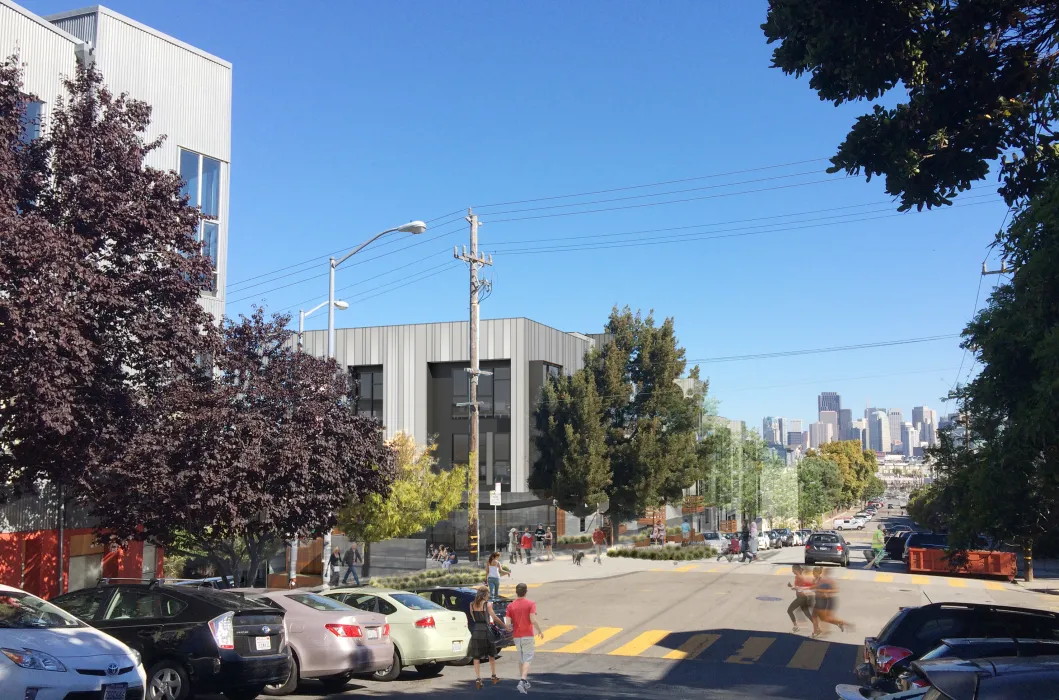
[
  {"x": 521, "y": 617},
  {"x": 878, "y": 544},
  {"x": 598, "y": 541}
]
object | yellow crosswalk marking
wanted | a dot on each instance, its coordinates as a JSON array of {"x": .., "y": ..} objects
[
  {"x": 884, "y": 578},
  {"x": 689, "y": 567},
  {"x": 695, "y": 645},
  {"x": 710, "y": 570},
  {"x": 593, "y": 638},
  {"x": 783, "y": 571},
  {"x": 554, "y": 632},
  {"x": 920, "y": 580},
  {"x": 957, "y": 582},
  {"x": 752, "y": 650},
  {"x": 810, "y": 655},
  {"x": 641, "y": 644},
  {"x": 994, "y": 586}
]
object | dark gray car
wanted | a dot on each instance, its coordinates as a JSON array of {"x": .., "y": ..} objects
[
  {"x": 828, "y": 547},
  {"x": 991, "y": 679}
]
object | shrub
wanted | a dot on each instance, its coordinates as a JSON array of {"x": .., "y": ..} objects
[
  {"x": 664, "y": 554},
  {"x": 574, "y": 539}
]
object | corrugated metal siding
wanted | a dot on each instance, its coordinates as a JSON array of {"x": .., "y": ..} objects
[
  {"x": 41, "y": 513},
  {"x": 81, "y": 26},
  {"x": 48, "y": 55}
]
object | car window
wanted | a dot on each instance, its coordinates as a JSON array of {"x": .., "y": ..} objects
[
  {"x": 171, "y": 607},
  {"x": 130, "y": 604},
  {"x": 1027, "y": 625},
  {"x": 316, "y": 602},
  {"x": 415, "y": 602},
  {"x": 945, "y": 623},
  {"x": 437, "y": 597},
  {"x": 386, "y": 607},
  {"x": 824, "y": 539},
  {"x": 362, "y": 602},
  {"x": 84, "y": 604},
  {"x": 19, "y": 610}
]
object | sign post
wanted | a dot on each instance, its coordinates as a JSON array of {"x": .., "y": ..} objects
[{"x": 494, "y": 501}]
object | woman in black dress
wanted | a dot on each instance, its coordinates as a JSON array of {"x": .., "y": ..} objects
[{"x": 482, "y": 646}]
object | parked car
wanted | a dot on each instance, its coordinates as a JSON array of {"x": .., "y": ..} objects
[
  {"x": 977, "y": 648},
  {"x": 826, "y": 546},
  {"x": 775, "y": 539},
  {"x": 192, "y": 639},
  {"x": 914, "y": 631},
  {"x": 424, "y": 634},
  {"x": 460, "y": 598},
  {"x": 923, "y": 540},
  {"x": 895, "y": 544},
  {"x": 784, "y": 534},
  {"x": 848, "y": 691},
  {"x": 848, "y": 524},
  {"x": 49, "y": 653},
  {"x": 712, "y": 538},
  {"x": 804, "y": 535},
  {"x": 329, "y": 640},
  {"x": 862, "y": 516},
  {"x": 763, "y": 542},
  {"x": 991, "y": 678}
]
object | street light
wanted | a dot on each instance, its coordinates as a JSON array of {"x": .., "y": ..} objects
[
  {"x": 412, "y": 227},
  {"x": 303, "y": 314}
]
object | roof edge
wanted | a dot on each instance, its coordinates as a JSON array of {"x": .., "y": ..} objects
[{"x": 42, "y": 21}]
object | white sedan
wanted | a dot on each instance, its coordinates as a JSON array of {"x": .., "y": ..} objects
[
  {"x": 763, "y": 542},
  {"x": 48, "y": 654}
]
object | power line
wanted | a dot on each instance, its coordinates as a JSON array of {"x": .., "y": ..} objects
[
  {"x": 652, "y": 184},
  {"x": 815, "y": 351},
  {"x": 842, "y": 379}
]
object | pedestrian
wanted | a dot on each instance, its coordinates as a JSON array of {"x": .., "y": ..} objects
[
  {"x": 522, "y": 620},
  {"x": 512, "y": 545},
  {"x": 659, "y": 534},
  {"x": 804, "y": 599},
  {"x": 351, "y": 560},
  {"x": 334, "y": 567},
  {"x": 598, "y": 540},
  {"x": 826, "y": 605},
  {"x": 482, "y": 646},
  {"x": 527, "y": 545},
  {"x": 749, "y": 545},
  {"x": 538, "y": 535},
  {"x": 685, "y": 533},
  {"x": 548, "y": 539},
  {"x": 493, "y": 573},
  {"x": 878, "y": 544}
]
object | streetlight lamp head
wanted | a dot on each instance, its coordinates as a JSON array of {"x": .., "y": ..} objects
[
  {"x": 341, "y": 305},
  {"x": 413, "y": 227}
]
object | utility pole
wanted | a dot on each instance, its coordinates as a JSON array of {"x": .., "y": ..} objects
[
  {"x": 475, "y": 260},
  {"x": 1004, "y": 269}
]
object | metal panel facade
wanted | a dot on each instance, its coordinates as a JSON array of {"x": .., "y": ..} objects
[
  {"x": 80, "y": 23},
  {"x": 46, "y": 51}
]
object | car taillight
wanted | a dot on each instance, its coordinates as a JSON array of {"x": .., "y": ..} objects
[
  {"x": 223, "y": 630},
  {"x": 807, "y": 546},
  {"x": 425, "y": 622},
  {"x": 839, "y": 548},
  {"x": 920, "y": 683},
  {"x": 344, "y": 630},
  {"x": 887, "y": 656},
  {"x": 386, "y": 630}
]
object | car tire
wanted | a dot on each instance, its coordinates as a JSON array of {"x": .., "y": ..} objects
[
  {"x": 167, "y": 680},
  {"x": 392, "y": 672},
  {"x": 845, "y": 563},
  {"x": 335, "y": 684},
  {"x": 430, "y": 670},
  {"x": 288, "y": 686},
  {"x": 245, "y": 693}
]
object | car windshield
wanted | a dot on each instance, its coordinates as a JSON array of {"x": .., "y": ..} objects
[
  {"x": 414, "y": 602},
  {"x": 319, "y": 602},
  {"x": 20, "y": 610},
  {"x": 824, "y": 539}
]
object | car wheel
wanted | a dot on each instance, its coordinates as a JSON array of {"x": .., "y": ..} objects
[
  {"x": 430, "y": 670},
  {"x": 167, "y": 680},
  {"x": 245, "y": 693},
  {"x": 334, "y": 684},
  {"x": 288, "y": 686},
  {"x": 845, "y": 562},
  {"x": 391, "y": 672}
]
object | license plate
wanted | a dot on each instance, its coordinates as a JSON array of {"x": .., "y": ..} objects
[
  {"x": 263, "y": 643},
  {"x": 457, "y": 646},
  {"x": 373, "y": 633},
  {"x": 115, "y": 691}
]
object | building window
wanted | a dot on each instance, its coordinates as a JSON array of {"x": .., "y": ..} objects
[
  {"x": 551, "y": 372},
  {"x": 202, "y": 187},
  {"x": 461, "y": 448},
  {"x": 369, "y": 391},
  {"x": 502, "y": 460},
  {"x": 485, "y": 394},
  {"x": 502, "y": 391},
  {"x": 461, "y": 394},
  {"x": 32, "y": 121}
]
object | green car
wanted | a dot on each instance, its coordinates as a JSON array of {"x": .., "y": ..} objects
[{"x": 424, "y": 634}]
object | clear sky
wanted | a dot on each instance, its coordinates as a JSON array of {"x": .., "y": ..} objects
[{"x": 352, "y": 117}]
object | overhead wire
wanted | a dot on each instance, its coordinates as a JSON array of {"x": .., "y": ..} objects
[{"x": 815, "y": 351}]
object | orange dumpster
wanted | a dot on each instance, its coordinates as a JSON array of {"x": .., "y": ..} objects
[{"x": 979, "y": 563}]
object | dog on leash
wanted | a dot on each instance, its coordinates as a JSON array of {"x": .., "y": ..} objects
[{"x": 578, "y": 556}]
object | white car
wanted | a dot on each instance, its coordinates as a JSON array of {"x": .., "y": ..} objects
[
  {"x": 48, "y": 654},
  {"x": 763, "y": 542},
  {"x": 848, "y": 524}
]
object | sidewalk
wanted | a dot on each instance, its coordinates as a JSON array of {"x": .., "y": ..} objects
[{"x": 1045, "y": 576}]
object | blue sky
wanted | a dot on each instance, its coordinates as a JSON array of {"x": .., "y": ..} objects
[{"x": 352, "y": 117}]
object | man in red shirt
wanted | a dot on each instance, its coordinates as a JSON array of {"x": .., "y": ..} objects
[
  {"x": 522, "y": 618},
  {"x": 598, "y": 539},
  {"x": 527, "y": 544}
]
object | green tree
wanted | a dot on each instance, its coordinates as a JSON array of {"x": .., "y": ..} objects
[
  {"x": 820, "y": 487},
  {"x": 779, "y": 488},
  {"x": 419, "y": 497},
  {"x": 975, "y": 81},
  {"x": 875, "y": 488},
  {"x": 856, "y": 465}
]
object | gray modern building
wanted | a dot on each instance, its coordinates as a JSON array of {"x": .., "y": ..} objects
[
  {"x": 896, "y": 419},
  {"x": 831, "y": 419},
  {"x": 829, "y": 401},
  {"x": 845, "y": 424}
]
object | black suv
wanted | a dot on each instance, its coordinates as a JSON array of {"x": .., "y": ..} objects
[
  {"x": 914, "y": 631},
  {"x": 977, "y": 648},
  {"x": 826, "y": 546},
  {"x": 923, "y": 540},
  {"x": 192, "y": 639}
]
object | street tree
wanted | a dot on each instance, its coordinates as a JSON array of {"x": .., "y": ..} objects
[
  {"x": 99, "y": 271},
  {"x": 779, "y": 490},
  {"x": 971, "y": 82},
  {"x": 419, "y": 496},
  {"x": 260, "y": 447},
  {"x": 856, "y": 465},
  {"x": 820, "y": 487}
]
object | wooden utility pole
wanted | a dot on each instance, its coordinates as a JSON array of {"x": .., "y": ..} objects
[{"x": 475, "y": 260}]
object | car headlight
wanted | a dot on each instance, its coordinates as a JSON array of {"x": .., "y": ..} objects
[
  {"x": 137, "y": 658},
  {"x": 33, "y": 659}
]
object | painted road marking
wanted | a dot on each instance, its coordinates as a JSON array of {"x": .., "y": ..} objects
[
  {"x": 920, "y": 580},
  {"x": 810, "y": 656},
  {"x": 752, "y": 650},
  {"x": 689, "y": 567},
  {"x": 784, "y": 571},
  {"x": 593, "y": 638},
  {"x": 994, "y": 586},
  {"x": 957, "y": 582},
  {"x": 554, "y": 632},
  {"x": 695, "y": 645},
  {"x": 641, "y": 644},
  {"x": 884, "y": 578}
]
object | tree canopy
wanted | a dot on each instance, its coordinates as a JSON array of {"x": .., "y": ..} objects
[
  {"x": 820, "y": 487},
  {"x": 974, "y": 80},
  {"x": 856, "y": 465}
]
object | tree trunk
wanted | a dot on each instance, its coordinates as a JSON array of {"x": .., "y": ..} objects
[
  {"x": 365, "y": 571},
  {"x": 1029, "y": 561}
]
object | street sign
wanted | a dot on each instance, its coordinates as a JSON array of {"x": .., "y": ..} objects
[{"x": 494, "y": 499}]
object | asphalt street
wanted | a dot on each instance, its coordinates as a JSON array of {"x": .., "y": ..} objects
[{"x": 699, "y": 630}]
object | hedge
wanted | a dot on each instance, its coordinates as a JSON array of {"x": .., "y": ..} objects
[
  {"x": 458, "y": 576},
  {"x": 664, "y": 553},
  {"x": 574, "y": 539}
]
